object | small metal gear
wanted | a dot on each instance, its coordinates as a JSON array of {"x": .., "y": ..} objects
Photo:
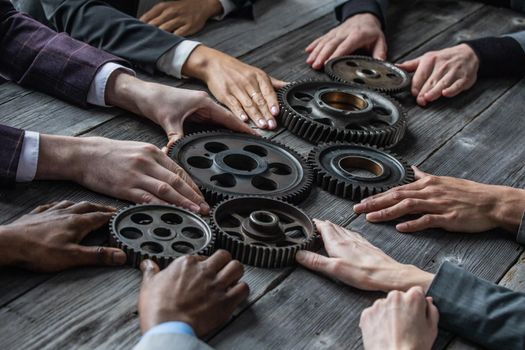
[
  {"x": 226, "y": 165},
  {"x": 263, "y": 232},
  {"x": 321, "y": 111},
  {"x": 356, "y": 171},
  {"x": 160, "y": 232},
  {"x": 368, "y": 72}
]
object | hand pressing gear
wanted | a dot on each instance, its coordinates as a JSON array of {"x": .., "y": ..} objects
[
  {"x": 226, "y": 165},
  {"x": 357, "y": 171},
  {"x": 368, "y": 72},
  {"x": 161, "y": 233},
  {"x": 320, "y": 111},
  {"x": 262, "y": 232}
]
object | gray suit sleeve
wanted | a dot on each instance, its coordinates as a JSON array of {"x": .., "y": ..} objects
[
  {"x": 104, "y": 27},
  {"x": 480, "y": 311},
  {"x": 520, "y": 237},
  {"x": 171, "y": 341}
]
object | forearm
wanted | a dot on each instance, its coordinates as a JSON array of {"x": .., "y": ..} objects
[{"x": 8, "y": 250}]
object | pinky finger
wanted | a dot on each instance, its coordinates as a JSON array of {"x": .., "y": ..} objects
[
  {"x": 425, "y": 222},
  {"x": 312, "y": 45},
  {"x": 455, "y": 88}
]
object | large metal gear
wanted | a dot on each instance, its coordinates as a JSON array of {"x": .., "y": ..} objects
[
  {"x": 368, "y": 72},
  {"x": 320, "y": 111},
  {"x": 263, "y": 232},
  {"x": 160, "y": 232},
  {"x": 357, "y": 171},
  {"x": 226, "y": 165}
]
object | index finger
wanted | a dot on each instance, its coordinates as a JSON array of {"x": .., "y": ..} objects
[{"x": 152, "y": 13}]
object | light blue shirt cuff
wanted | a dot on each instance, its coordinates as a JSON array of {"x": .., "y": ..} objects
[
  {"x": 171, "y": 328},
  {"x": 28, "y": 161},
  {"x": 97, "y": 89}
]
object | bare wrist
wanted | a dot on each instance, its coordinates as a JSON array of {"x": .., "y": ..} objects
[
  {"x": 124, "y": 90},
  {"x": 509, "y": 207},
  {"x": 410, "y": 276},
  {"x": 214, "y": 8},
  {"x": 198, "y": 63},
  {"x": 58, "y": 158},
  {"x": 9, "y": 251}
]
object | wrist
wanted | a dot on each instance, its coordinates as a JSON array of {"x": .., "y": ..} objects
[
  {"x": 509, "y": 207},
  {"x": 199, "y": 63},
  {"x": 214, "y": 8},
  {"x": 8, "y": 250},
  {"x": 408, "y": 276},
  {"x": 59, "y": 158}
]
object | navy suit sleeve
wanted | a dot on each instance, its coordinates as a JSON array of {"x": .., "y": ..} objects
[{"x": 354, "y": 7}]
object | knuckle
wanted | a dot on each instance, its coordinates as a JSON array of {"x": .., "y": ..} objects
[
  {"x": 409, "y": 203},
  {"x": 163, "y": 189},
  {"x": 146, "y": 198},
  {"x": 396, "y": 195}
]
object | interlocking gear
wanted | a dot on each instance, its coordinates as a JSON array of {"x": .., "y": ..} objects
[
  {"x": 161, "y": 233},
  {"x": 357, "y": 171},
  {"x": 263, "y": 232},
  {"x": 226, "y": 165},
  {"x": 320, "y": 111},
  {"x": 368, "y": 72}
]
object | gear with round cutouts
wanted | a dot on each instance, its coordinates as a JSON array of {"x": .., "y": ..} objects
[
  {"x": 263, "y": 232},
  {"x": 161, "y": 233},
  {"x": 356, "y": 171},
  {"x": 226, "y": 165},
  {"x": 324, "y": 111},
  {"x": 368, "y": 72}
]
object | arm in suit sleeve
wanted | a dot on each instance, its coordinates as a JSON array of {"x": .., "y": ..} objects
[
  {"x": 171, "y": 341},
  {"x": 35, "y": 56},
  {"x": 105, "y": 27},
  {"x": 11, "y": 141},
  {"x": 480, "y": 311},
  {"x": 354, "y": 7}
]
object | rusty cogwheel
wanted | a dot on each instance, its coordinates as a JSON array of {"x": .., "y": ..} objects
[
  {"x": 355, "y": 171},
  {"x": 263, "y": 232},
  {"x": 226, "y": 165},
  {"x": 160, "y": 232},
  {"x": 324, "y": 111},
  {"x": 368, "y": 72}
]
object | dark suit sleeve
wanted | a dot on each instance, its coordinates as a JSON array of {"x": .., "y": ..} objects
[
  {"x": 10, "y": 147},
  {"x": 35, "y": 56},
  {"x": 480, "y": 311},
  {"x": 105, "y": 27},
  {"x": 354, "y": 7}
]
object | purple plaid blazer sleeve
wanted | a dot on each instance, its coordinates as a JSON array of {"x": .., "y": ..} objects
[
  {"x": 10, "y": 146},
  {"x": 37, "y": 57}
]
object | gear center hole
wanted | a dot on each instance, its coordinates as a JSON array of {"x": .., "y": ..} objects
[
  {"x": 264, "y": 217},
  {"x": 344, "y": 101},
  {"x": 361, "y": 167},
  {"x": 240, "y": 162}
]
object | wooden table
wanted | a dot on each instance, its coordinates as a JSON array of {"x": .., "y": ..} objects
[{"x": 478, "y": 135}]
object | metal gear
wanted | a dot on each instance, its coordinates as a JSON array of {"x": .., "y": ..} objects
[
  {"x": 160, "y": 232},
  {"x": 263, "y": 232},
  {"x": 321, "y": 111},
  {"x": 226, "y": 165},
  {"x": 356, "y": 171},
  {"x": 368, "y": 72}
]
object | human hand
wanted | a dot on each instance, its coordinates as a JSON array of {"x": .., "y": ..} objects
[
  {"x": 400, "y": 321},
  {"x": 182, "y": 17},
  {"x": 445, "y": 73},
  {"x": 361, "y": 31},
  {"x": 169, "y": 107},
  {"x": 452, "y": 204},
  {"x": 134, "y": 171},
  {"x": 355, "y": 261},
  {"x": 202, "y": 292},
  {"x": 247, "y": 91},
  {"x": 47, "y": 239}
]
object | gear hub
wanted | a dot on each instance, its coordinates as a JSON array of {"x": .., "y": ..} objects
[
  {"x": 263, "y": 232},
  {"x": 368, "y": 72},
  {"x": 161, "y": 233},
  {"x": 320, "y": 111},
  {"x": 225, "y": 165},
  {"x": 357, "y": 171}
]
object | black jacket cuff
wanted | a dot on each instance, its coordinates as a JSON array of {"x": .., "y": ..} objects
[
  {"x": 354, "y": 7},
  {"x": 498, "y": 56}
]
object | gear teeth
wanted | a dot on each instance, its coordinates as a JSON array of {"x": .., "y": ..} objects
[
  {"x": 258, "y": 256},
  {"x": 351, "y": 189},
  {"x": 214, "y": 195},
  {"x": 316, "y": 133},
  {"x": 135, "y": 257},
  {"x": 328, "y": 69}
]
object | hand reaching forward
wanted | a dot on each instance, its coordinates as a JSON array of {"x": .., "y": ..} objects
[
  {"x": 400, "y": 321},
  {"x": 47, "y": 239},
  {"x": 445, "y": 202},
  {"x": 361, "y": 31},
  {"x": 444, "y": 73},
  {"x": 202, "y": 292}
]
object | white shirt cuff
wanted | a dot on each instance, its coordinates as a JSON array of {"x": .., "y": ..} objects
[
  {"x": 97, "y": 90},
  {"x": 227, "y": 7},
  {"x": 172, "y": 61},
  {"x": 28, "y": 161}
]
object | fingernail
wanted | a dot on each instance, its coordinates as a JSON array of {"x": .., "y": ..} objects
[
  {"x": 370, "y": 216},
  {"x": 262, "y": 123},
  {"x": 272, "y": 124},
  {"x": 274, "y": 110},
  {"x": 118, "y": 258},
  {"x": 300, "y": 256},
  {"x": 358, "y": 207},
  {"x": 401, "y": 227},
  {"x": 244, "y": 117},
  {"x": 204, "y": 207},
  {"x": 195, "y": 208}
]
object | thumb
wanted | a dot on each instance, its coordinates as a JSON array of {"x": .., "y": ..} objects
[
  {"x": 432, "y": 312},
  {"x": 380, "y": 48},
  {"x": 418, "y": 173},
  {"x": 88, "y": 256},
  {"x": 315, "y": 262},
  {"x": 409, "y": 66},
  {"x": 149, "y": 269},
  {"x": 278, "y": 84}
]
